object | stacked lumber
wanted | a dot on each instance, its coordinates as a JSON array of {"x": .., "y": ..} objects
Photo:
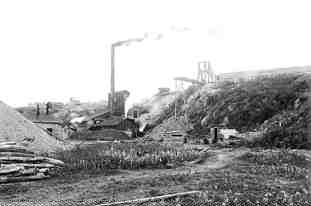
[{"x": 17, "y": 164}]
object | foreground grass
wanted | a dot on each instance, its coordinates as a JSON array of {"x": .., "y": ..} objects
[
  {"x": 280, "y": 163},
  {"x": 262, "y": 177},
  {"x": 259, "y": 178},
  {"x": 105, "y": 156}
]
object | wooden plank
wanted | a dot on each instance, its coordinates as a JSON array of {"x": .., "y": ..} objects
[
  {"x": 27, "y": 172},
  {"x": 7, "y": 143},
  {"x": 14, "y": 148},
  {"x": 151, "y": 198},
  {"x": 16, "y": 154},
  {"x": 21, "y": 159},
  {"x": 39, "y": 176},
  {"x": 38, "y": 159},
  {"x": 54, "y": 161},
  {"x": 31, "y": 165},
  {"x": 9, "y": 169}
]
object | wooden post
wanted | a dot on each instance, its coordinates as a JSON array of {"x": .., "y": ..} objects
[
  {"x": 175, "y": 110},
  {"x": 176, "y": 90},
  {"x": 214, "y": 134}
]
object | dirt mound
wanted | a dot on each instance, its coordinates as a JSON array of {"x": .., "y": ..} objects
[
  {"x": 15, "y": 127},
  {"x": 168, "y": 126}
]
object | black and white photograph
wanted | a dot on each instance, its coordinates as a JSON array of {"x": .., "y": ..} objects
[{"x": 155, "y": 102}]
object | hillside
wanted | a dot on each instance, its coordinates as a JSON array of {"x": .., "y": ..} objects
[
  {"x": 266, "y": 72},
  {"x": 275, "y": 106}
]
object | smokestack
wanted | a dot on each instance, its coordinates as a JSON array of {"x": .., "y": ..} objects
[
  {"x": 111, "y": 97},
  {"x": 112, "y": 73}
]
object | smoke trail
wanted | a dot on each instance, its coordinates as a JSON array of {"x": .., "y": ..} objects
[
  {"x": 127, "y": 42},
  {"x": 154, "y": 36},
  {"x": 146, "y": 36}
]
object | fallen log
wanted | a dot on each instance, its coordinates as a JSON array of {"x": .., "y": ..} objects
[
  {"x": 30, "y": 165},
  {"x": 14, "y": 148},
  {"x": 14, "y": 160},
  {"x": 169, "y": 132},
  {"x": 7, "y": 143},
  {"x": 152, "y": 199},
  {"x": 54, "y": 161},
  {"x": 16, "y": 154},
  {"x": 38, "y": 176},
  {"x": 25, "y": 172},
  {"x": 9, "y": 169},
  {"x": 5, "y": 146},
  {"x": 22, "y": 159}
]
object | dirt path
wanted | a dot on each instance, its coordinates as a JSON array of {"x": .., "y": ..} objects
[{"x": 222, "y": 158}]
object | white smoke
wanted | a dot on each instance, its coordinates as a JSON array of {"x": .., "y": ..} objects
[{"x": 150, "y": 35}]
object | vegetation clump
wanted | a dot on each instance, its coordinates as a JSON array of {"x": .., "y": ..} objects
[
  {"x": 247, "y": 104},
  {"x": 107, "y": 156}
]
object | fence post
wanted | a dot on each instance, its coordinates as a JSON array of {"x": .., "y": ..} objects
[{"x": 214, "y": 134}]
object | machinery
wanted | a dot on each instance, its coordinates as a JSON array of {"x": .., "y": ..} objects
[{"x": 113, "y": 121}]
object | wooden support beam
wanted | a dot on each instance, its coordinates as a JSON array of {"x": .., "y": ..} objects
[{"x": 151, "y": 198}]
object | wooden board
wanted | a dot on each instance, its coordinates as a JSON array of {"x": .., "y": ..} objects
[
  {"x": 39, "y": 176},
  {"x": 30, "y": 165},
  {"x": 16, "y": 154},
  {"x": 9, "y": 169}
]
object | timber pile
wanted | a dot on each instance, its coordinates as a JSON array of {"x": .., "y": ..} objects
[{"x": 17, "y": 164}]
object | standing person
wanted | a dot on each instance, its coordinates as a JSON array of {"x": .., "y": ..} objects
[{"x": 48, "y": 107}]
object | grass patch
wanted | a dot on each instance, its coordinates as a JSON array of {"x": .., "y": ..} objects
[
  {"x": 278, "y": 164},
  {"x": 107, "y": 156},
  {"x": 278, "y": 157},
  {"x": 287, "y": 171},
  {"x": 231, "y": 187}
]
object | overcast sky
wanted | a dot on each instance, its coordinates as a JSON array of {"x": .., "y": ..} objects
[{"x": 54, "y": 50}]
